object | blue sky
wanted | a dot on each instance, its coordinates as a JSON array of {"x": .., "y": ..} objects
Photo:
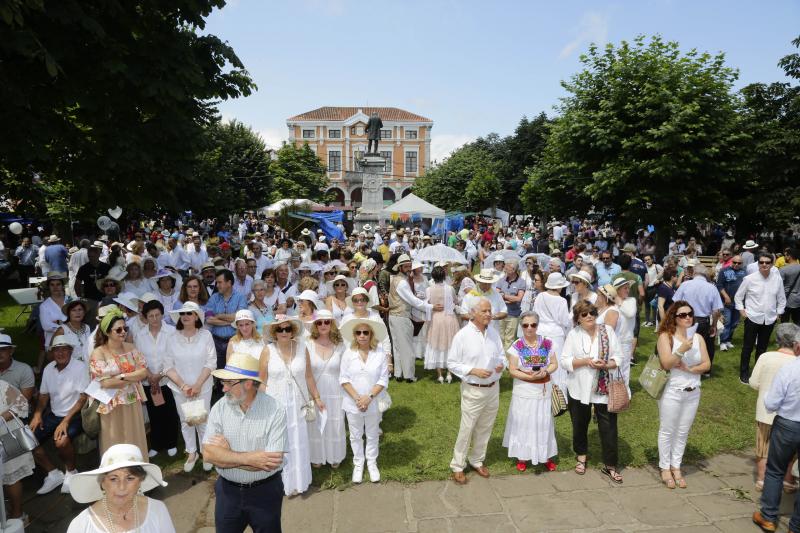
[{"x": 472, "y": 67}]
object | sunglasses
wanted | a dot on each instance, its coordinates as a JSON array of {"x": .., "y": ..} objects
[
  {"x": 533, "y": 325},
  {"x": 588, "y": 313},
  {"x": 576, "y": 282},
  {"x": 688, "y": 314},
  {"x": 360, "y": 300},
  {"x": 121, "y": 329},
  {"x": 324, "y": 322},
  {"x": 186, "y": 313},
  {"x": 340, "y": 284},
  {"x": 284, "y": 329},
  {"x": 765, "y": 262},
  {"x": 364, "y": 333},
  {"x": 111, "y": 284}
]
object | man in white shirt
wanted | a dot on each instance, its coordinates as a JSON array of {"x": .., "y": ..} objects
[
  {"x": 760, "y": 300},
  {"x": 262, "y": 261},
  {"x": 178, "y": 257},
  {"x": 477, "y": 357},
  {"x": 242, "y": 283},
  {"x": 63, "y": 383},
  {"x": 197, "y": 253},
  {"x": 485, "y": 289}
]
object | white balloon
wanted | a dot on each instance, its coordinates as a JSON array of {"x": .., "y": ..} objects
[
  {"x": 116, "y": 212},
  {"x": 15, "y": 227},
  {"x": 104, "y": 223}
]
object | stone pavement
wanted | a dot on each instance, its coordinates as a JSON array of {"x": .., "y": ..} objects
[{"x": 720, "y": 498}]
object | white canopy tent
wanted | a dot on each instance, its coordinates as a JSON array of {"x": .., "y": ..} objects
[
  {"x": 412, "y": 204},
  {"x": 498, "y": 213},
  {"x": 277, "y": 207}
]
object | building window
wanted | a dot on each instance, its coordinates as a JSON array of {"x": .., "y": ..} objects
[
  {"x": 334, "y": 134},
  {"x": 334, "y": 161},
  {"x": 388, "y": 157},
  {"x": 411, "y": 162},
  {"x": 356, "y": 130},
  {"x": 386, "y": 134},
  {"x": 308, "y": 134},
  {"x": 411, "y": 134}
]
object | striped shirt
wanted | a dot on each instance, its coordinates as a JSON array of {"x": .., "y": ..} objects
[{"x": 261, "y": 428}]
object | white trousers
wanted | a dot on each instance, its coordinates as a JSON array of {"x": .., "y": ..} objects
[
  {"x": 361, "y": 424},
  {"x": 402, "y": 346},
  {"x": 676, "y": 411},
  {"x": 191, "y": 433},
  {"x": 478, "y": 411},
  {"x": 627, "y": 355}
]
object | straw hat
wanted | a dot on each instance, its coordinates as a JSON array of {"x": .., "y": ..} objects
[
  {"x": 621, "y": 282},
  {"x": 53, "y": 238},
  {"x": 129, "y": 300},
  {"x": 243, "y": 314},
  {"x": 239, "y": 366},
  {"x": 85, "y": 486},
  {"x": 556, "y": 280},
  {"x": 116, "y": 274},
  {"x": 60, "y": 340},
  {"x": 415, "y": 265},
  {"x": 608, "y": 291},
  {"x": 188, "y": 307},
  {"x": 297, "y": 325},
  {"x": 305, "y": 232},
  {"x": 582, "y": 276},
  {"x": 750, "y": 244},
  {"x": 356, "y": 292},
  {"x": 67, "y": 307},
  {"x": 487, "y": 275},
  {"x": 402, "y": 260},
  {"x": 378, "y": 328},
  {"x": 367, "y": 227},
  {"x": 338, "y": 277}
]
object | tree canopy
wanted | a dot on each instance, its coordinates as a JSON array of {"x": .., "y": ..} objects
[{"x": 298, "y": 173}]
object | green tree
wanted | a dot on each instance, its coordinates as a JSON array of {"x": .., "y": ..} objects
[
  {"x": 298, "y": 173},
  {"x": 444, "y": 185},
  {"x": 483, "y": 190},
  {"x": 647, "y": 132},
  {"x": 110, "y": 97}
]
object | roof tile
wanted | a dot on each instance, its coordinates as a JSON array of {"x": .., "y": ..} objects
[{"x": 343, "y": 113}]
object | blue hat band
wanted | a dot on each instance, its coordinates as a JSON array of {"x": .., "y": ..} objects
[{"x": 251, "y": 373}]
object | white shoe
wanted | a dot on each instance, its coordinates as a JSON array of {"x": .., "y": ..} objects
[
  {"x": 65, "y": 485},
  {"x": 188, "y": 466},
  {"x": 440, "y": 379},
  {"x": 449, "y": 377},
  {"x": 723, "y": 347},
  {"x": 374, "y": 473},
  {"x": 172, "y": 452},
  {"x": 152, "y": 453},
  {"x": 358, "y": 473},
  {"x": 51, "y": 481},
  {"x": 730, "y": 346},
  {"x": 207, "y": 466}
]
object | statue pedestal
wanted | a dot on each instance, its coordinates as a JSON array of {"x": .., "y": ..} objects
[{"x": 372, "y": 166}]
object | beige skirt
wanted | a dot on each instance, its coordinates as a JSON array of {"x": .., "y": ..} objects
[
  {"x": 763, "y": 432},
  {"x": 123, "y": 425}
]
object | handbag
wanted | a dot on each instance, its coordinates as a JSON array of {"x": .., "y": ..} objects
[
  {"x": 558, "y": 402},
  {"x": 17, "y": 441},
  {"x": 384, "y": 401},
  {"x": 90, "y": 419},
  {"x": 618, "y": 399},
  {"x": 194, "y": 412},
  {"x": 653, "y": 378},
  {"x": 308, "y": 409}
]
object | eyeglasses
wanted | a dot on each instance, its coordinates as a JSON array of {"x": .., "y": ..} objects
[
  {"x": 688, "y": 314},
  {"x": 364, "y": 333},
  {"x": 533, "y": 325},
  {"x": 121, "y": 329},
  {"x": 284, "y": 329},
  {"x": 765, "y": 262},
  {"x": 186, "y": 313},
  {"x": 340, "y": 284},
  {"x": 360, "y": 300},
  {"x": 324, "y": 322},
  {"x": 588, "y": 313},
  {"x": 230, "y": 383}
]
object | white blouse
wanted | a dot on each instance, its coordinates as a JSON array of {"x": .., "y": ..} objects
[
  {"x": 157, "y": 520},
  {"x": 153, "y": 348},
  {"x": 49, "y": 315},
  {"x": 362, "y": 376},
  {"x": 188, "y": 356},
  {"x": 579, "y": 345}
]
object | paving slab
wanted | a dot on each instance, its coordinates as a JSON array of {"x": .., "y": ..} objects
[
  {"x": 634, "y": 477},
  {"x": 188, "y": 503},
  {"x": 434, "y": 525},
  {"x": 722, "y": 505},
  {"x": 536, "y": 513},
  {"x": 426, "y": 500},
  {"x": 737, "y": 525},
  {"x": 698, "y": 481},
  {"x": 603, "y": 503},
  {"x": 727, "y": 464},
  {"x": 476, "y": 497},
  {"x": 385, "y": 504},
  {"x": 311, "y": 512},
  {"x": 523, "y": 485},
  {"x": 658, "y": 507},
  {"x": 484, "y": 523},
  {"x": 568, "y": 481}
]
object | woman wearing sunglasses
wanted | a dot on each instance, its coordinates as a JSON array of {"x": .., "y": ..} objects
[
  {"x": 590, "y": 355},
  {"x": 189, "y": 358},
  {"x": 119, "y": 367},
  {"x": 530, "y": 427},
  {"x": 325, "y": 350},
  {"x": 686, "y": 359},
  {"x": 336, "y": 302},
  {"x": 285, "y": 370},
  {"x": 361, "y": 304},
  {"x": 364, "y": 374}
]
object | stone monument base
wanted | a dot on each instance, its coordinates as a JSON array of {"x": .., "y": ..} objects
[{"x": 371, "y": 191}]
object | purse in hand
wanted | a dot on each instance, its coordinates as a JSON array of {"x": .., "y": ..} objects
[
  {"x": 17, "y": 440},
  {"x": 558, "y": 402},
  {"x": 618, "y": 399}
]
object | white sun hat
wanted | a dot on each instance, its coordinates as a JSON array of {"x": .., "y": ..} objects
[{"x": 378, "y": 328}]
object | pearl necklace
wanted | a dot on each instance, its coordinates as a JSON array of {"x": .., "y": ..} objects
[{"x": 110, "y": 520}]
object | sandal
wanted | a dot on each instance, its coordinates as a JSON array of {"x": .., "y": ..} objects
[
  {"x": 580, "y": 467},
  {"x": 668, "y": 480},
  {"x": 676, "y": 473},
  {"x": 612, "y": 474}
]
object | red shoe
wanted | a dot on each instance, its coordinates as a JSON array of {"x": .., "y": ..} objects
[
  {"x": 522, "y": 466},
  {"x": 550, "y": 465}
]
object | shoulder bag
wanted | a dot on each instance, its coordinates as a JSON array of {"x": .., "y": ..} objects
[
  {"x": 653, "y": 378},
  {"x": 618, "y": 399},
  {"x": 558, "y": 402},
  {"x": 17, "y": 441},
  {"x": 90, "y": 418}
]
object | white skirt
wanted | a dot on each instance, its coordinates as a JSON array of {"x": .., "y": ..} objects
[{"x": 530, "y": 427}]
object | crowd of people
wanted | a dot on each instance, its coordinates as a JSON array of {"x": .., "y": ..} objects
[{"x": 267, "y": 351}]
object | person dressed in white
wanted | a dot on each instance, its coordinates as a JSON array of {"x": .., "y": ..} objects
[
  {"x": 247, "y": 339},
  {"x": 530, "y": 427},
  {"x": 443, "y": 325},
  {"x": 358, "y": 303},
  {"x": 625, "y": 324},
  {"x": 285, "y": 371},
  {"x": 582, "y": 288},
  {"x": 364, "y": 375},
  {"x": 477, "y": 358},
  {"x": 50, "y": 315},
  {"x": 485, "y": 289},
  {"x": 554, "y": 320},
  {"x": 325, "y": 348},
  {"x": 686, "y": 359},
  {"x": 75, "y": 330},
  {"x": 189, "y": 358}
]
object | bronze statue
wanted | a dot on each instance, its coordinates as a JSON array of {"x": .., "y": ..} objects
[{"x": 374, "y": 132}]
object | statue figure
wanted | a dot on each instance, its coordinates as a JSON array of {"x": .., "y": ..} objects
[{"x": 374, "y": 132}]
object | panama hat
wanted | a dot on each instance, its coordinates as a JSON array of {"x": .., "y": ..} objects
[
  {"x": 187, "y": 307},
  {"x": 297, "y": 325},
  {"x": 356, "y": 292},
  {"x": 750, "y": 244},
  {"x": 116, "y": 274},
  {"x": 402, "y": 260},
  {"x": 556, "y": 280},
  {"x": 608, "y": 291},
  {"x": 582, "y": 276},
  {"x": 487, "y": 275},
  {"x": 305, "y": 232},
  {"x": 243, "y": 314},
  {"x": 239, "y": 366},
  {"x": 60, "y": 340},
  {"x": 5, "y": 341},
  {"x": 53, "y": 274},
  {"x": 415, "y": 265},
  {"x": 85, "y": 486},
  {"x": 621, "y": 282},
  {"x": 98, "y": 245},
  {"x": 338, "y": 277},
  {"x": 367, "y": 227},
  {"x": 53, "y": 238},
  {"x": 378, "y": 328},
  {"x": 208, "y": 265}
]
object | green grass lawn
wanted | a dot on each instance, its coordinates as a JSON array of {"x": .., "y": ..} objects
[{"x": 420, "y": 428}]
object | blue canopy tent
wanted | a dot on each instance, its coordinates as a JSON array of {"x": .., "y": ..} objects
[{"x": 324, "y": 221}]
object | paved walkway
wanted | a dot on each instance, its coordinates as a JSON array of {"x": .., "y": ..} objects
[{"x": 720, "y": 498}]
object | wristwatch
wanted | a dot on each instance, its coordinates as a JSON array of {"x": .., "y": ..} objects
[
  {"x": 122, "y": 377},
  {"x": 371, "y": 396}
]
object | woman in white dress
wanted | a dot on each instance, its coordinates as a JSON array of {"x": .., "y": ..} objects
[
  {"x": 135, "y": 282},
  {"x": 336, "y": 302},
  {"x": 607, "y": 310},
  {"x": 554, "y": 319},
  {"x": 166, "y": 289},
  {"x": 627, "y": 321},
  {"x": 530, "y": 427},
  {"x": 76, "y": 331},
  {"x": 285, "y": 371},
  {"x": 420, "y": 287},
  {"x": 20, "y": 467},
  {"x": 246, "y": 339},
  {"x": 325, "y": 350},
  {"x": 364, "y": 375},
  {"x": 582, "y": 285}
]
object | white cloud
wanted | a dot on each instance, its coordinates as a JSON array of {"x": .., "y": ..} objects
[
  {"x": 273, "y": 137},
  {"x": 593, "y": 28},
  {"x": 442, "y": 145}
]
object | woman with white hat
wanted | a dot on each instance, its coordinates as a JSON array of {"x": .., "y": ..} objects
[
  {"x": 625, "y": 325},
  {"x": 166, "y": 288},
  {"x": 336, "y": 302},
  {"x": 362, "y": 306},
  {"x": 135, "y": 281},
  {"x": 607, "y": 310},
  {"x": 308, "y": 304},
  {"x": 247, "y": 338},
  {"x": 582, "y": 285},
  {"x": 325, "y": 349},
  {"x": 285, "y": 370},
  {"x": 189, "y": 358},
  {"x": 364, "y": 374},
  {"x": 554, "y": 319},
  {"x": 114, "y": 490}
]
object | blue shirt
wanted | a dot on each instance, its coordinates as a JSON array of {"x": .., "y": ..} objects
[
  {"x": 783, "y": 397},
  {"x": 217, "y": 305},
  {"x": 701, "y": 295},
  {"x": 604, "y": 274},
  {"x": 56, "y": 257},
  {"x": 730, "y": 279}
]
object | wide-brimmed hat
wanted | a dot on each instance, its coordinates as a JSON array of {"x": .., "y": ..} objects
[
  {"x": 103, "y": 238},
  {"x": 582, "y": 275},
  {"x": 310, "y": 296},
  {"x": 311, "y": 267},
  {"x": 378, "y": 328},
  {"x": 402, "y": 260},
  {"x": 487, "y": 275},
  {"x": 129, "y": 300},
  {"x": 53, "y": 274},
  {"x": 85, "y": 486},
  {"x": 296, "y": 323},
  {"x": 556, "y": 280},
  {"x": 98, "y": 245},
  {"x": 187, "y": 307},
  {"x": 116, "y": 274},
  {"x": 621, "y": 282},
  {"x": 305, "y": 232},
  {"x": 243, "y": 314},
  {"x": 147, "y": 297},
  {"x": 53, "y": 238},
  {"x": 356, "y": 292},
  {"x": 239, "y": 366},
  {"x": 5, "y": 341},
  {"x": 608, "y": 291},
  {"x": 323, "y": 314},
  {"x": 338, "y": 277},
  {"x": 366, "y": 227},
  {"x": 208, "y": 265},
  {"x": 415, "y": 265},
  {"x": 60, "y": 340},
  {"x": 750, "y": 244},
  {"x": 67, "y": 307}
]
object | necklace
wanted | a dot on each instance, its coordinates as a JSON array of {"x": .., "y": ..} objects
[{"x": 110, "y": 519}]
